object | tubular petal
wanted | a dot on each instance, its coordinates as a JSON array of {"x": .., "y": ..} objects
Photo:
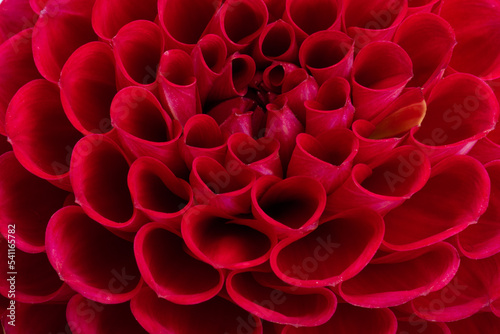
[
  {"x": 90, "y": 259},
  {"x": 171, "y": 272},
  {"x": 397, "y": 278}
]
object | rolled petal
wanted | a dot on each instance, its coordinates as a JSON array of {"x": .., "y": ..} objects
[
  {"x": 276, "y": 43},
  {"x": 40, "y": 134},
  {"x": 88, "y": 86},
  {"x": 202, "y": 137},
  {"x": 259, "y": 155},
  {"x": 332, "y": 107},
  {"x": 226, "y": 190},
  {"x": 383, "y": 184},
  {"x": 376, "y": 21},
  {"x": 327, "y": 54},
  {"x": 184, "y": 22},
  {"x": 63, "y": 26},
  {"x": 99, "y": 177},
  {"x": 317, "y": 158},
  {"x": 145, "y": 128},
  {"x": 461, "y": 110},
  {"x": 108, "y": 17},
  {"x": 20, "y": 190},
  {"x": 171, "y": 272},
  {"x": 482, "y": 322},
  {"x": 89, "y": 316},
  {"x": 349, "y": 319},
  {"x": 157, "y": 192},
  {"x": 482, "y": 239},
  {"x": 239, "y": 22},
  {"x": 35, "y": 280},
  {"x": 453, "y": 181},
  {"x": 138, "y": 47},
  {"x": 297, "y": 88},
  {"x": 397, "y": 278},
  {"x": 308, "y": 17},
  {"x": 178, "y": 89},
  {"x": 38, "y": 319},
  {"x": 327, "y": 255},
  {"x": 476, "y": 23},
  {"x": 16, "y": 69},
  {"x": 224, "y": 241},
  {"x": 291, "y": 206},
  {"x": 257, "y": 293},
  {"x": 215, "y": 316},
  {"x": 380, "y": 72},
  {"x": 90, "y": 259}
]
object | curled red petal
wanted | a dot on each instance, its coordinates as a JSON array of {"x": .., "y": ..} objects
[
  {"x": 482, "y": 322},
  {"x": 171, "y": 272},
  {"x": 40, "y": 134},
  {"x": 380, "y": 72},
  {"x": 397, "y": 278},
  {"x": 202, "y": 137},
  {"x": 90, "y": 259},
  {"x": 383, "y": 184},
  {"x": 215, "y": 316},
  {"x": 157, "y": 192},
  {"x": 308, "y": 17},
  {"x": 37, "y": 319},
  {"x": 329, "y": 164},
  {"x": 326, "y": 256},
  {"x": 349, "y": 319},
  {"x": 461, "y": 110},
  {"x": 224, "y": 241},
  {"x": 91, "y": 317},
  {"x": 62, "y": 27},
  {"x": 16, "y": 69},
  {"x": 109, "y": 16},
  {"x": 259, "y": 155},
  {"x": 138, "y": 47},
  {"x": 88, "y": 86},
  {"x": 327, "y": 54},
  {"x": 291, "y": 206},
  {"x": 225, "y": 189},
  {"x": 259, "y": 294},
  {"x": 99, "y": 177},
  {"x": 183, "y": 23},
  {"x": 20, "y": 190},
  {"x": 438, "y": 208},
  {"x": 276, "y": 43}
]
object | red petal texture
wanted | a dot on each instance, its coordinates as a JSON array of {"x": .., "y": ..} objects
[
  {"x": 38, "y": 319},
  {"x": 396, "y": 278},
  {"x": 40, "y": 134},
  {"x": 325, "y": 256},
  {"x": 171, "y": 272},
  {"x": 17, "y": 68},
  {"x": 15, "y": 16},
  {"x": 332, "y": 107},
  {"x": 90, "y": 259},
  {"x": 88, "y": 86},
  {"x": 437, "y": 212},
  {"x": 215, "y": 316},
  {"x": 383, "y": 184},
  {"x": 109, "y": 16},
  {"x": 157, "y": 192},
  {"x": 476, "y": 25},
  {"x": 224, "y": 241},
  {"x": 19, "y": 190},
  {"x": 292, "y": 206},
  {"x": 62, "y": 27},
  {"x": 89, "y": 316},
  {"x": 482, "y": 239},
  {"x": 460, "y": 110},
  {"x": 484, "y": 322},
  {"x": 380, "y": 72},
  {"x": 99, "y": 177},
  {"x": 330, "y": 165},
  {"x": 276, "y": 43},
  {"x": 349, "y": 319},
  {"x": 264, "y": 295},
  {"x": 216, "y": 186}
]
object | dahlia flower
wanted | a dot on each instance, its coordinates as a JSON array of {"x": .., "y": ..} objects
[{"x": 249, "y": 166}]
